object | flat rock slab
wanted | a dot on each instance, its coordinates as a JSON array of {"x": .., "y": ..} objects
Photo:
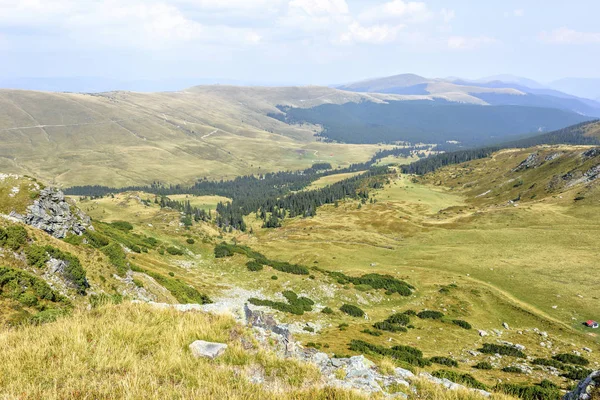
[{"x": 211, "y": 350}]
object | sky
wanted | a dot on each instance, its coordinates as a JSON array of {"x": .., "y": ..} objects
[{"x": 296, "y": 41}]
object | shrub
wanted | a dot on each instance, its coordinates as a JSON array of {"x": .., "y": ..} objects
[
  {"x": 308, "y": 329},
  {"x": 150, "y": 241},
  {"x": 407, "y": 354},
  {"x": 14, "y": 237},
  {"x": 343, "y": 326},
  {"x": 274, "y": 277},
  {"x": 295, "y": 305},
  {"x": 23, "y": 287},
  {"x": 372, "y": 333},
  {"x": 73, "y": 271},
  {"x": 465, "y": 379},
  {"x": 122, "y": 226},
  {"x": 222, "y": 250},
  {"x": 190, "y": 241},
  {"x": 399, "y": 318},
  {"x": 444, "y": 361},
  {"x": 254, "y": 266},
  {"x": 512, "y": 369},
  {"x": 327, "y": 310},
  {"x": 576, "y": 373},
  {"x": 386, "y": 326},
  {"x": 483, "y": 365},
  {"x": 462, "y": 324},
  {"x": 75, "y": 240},
  {"x": 171, "y": 274},
  {"x": 96, "y": 239},
  {"x": 117, "y": 257},
  {"x": 428, "y": 314},
  {"x": 351, "y": 310},
  {"x": 174, "y": 251},
  {"x": 138, "y": 283},
  {"x": 410, "y": 313},
  {"x": 375, "y": 281},
  {"x": 314, "y": 345},
  {"x": 505, "y": 350},
  {"x": 571, "y": 359},
  {"x": 36, "y": 256}
]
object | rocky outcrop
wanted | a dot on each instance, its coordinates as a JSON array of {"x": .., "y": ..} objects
[
  {"x": 52, "y": 214},
  {"x": 586, "y": 388},
  {"x": 532, "y": 161},
  {"x": 203, "y": 349}
]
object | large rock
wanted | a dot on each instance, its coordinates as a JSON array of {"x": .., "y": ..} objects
[
  {"x": 586, "y": 388},
  {"x": 52, "y": 214},
  {"x": 211, "y": 350}
]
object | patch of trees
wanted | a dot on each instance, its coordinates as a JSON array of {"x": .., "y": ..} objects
[
  {"x": 483, "y": 365},
  {"x": 574, "y": 135},
  {"x": 502, "y": 349},
  {"x": 407, "y": 354},
  {"x": 254, "y": 266},
  {"x": 376, "y": 281},
  {"x": 512, "y": 369},
  {"x": 227, "y": 250},
  {"x": 272, "y": 196},
  {"x": 352, "y": 310}
]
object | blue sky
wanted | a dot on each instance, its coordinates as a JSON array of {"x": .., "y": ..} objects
[{"x": 297, "y": 41}]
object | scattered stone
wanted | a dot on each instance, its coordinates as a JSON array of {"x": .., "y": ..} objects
[
  {"x": 482, "y": 333},
  {"x": 211, "y": 350},
  {"x": 505, "y": 326},
  {"x": 587, "y": 349}
]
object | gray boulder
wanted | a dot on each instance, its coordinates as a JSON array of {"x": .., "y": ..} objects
[
  {"x": 52, "y": 214},
  {"x": 211, "y": 350},
  {"x": 586, "y": 388}
]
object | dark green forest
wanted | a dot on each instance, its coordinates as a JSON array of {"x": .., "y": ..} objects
[{"x": 427, "y": 121}]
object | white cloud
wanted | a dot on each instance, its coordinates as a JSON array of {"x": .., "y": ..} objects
[
  {"x": 375, "y": 34},
  {"x": 569, "y": 36},
  {"x": 447, "y": 15},
  {"x": 315, "y": 8},
  {"x": 519, "y": 13},
  {"x": 469, "y": 42},
  {"x": 397, "y": 10}
]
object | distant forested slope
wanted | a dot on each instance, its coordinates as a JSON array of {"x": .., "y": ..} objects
[
  {"x": 587, "y": 133},
  {"x": 427, "y": 121}
]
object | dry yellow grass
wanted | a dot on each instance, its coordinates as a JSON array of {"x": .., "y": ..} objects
[{"x": 136, "y": 352}]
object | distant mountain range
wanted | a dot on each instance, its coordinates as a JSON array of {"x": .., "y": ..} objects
[{"x": 495, "y": 90}]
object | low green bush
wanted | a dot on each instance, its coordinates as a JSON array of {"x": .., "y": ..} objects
[
  {"x": 386, "y": 326},
  {"x": 327, "y": 310},
  {"x": 512, "y": 369},
  {"x": 190, "y": 241},
  {"x": 568, "y": 358},
  {"x": 502, "y": 349},
  {"x": 457, "y": 377},
  {"x": 444, "y": 361},
  {"x": 428, "y": 314},
  {"x": 14, "y": 237},
  {"x": 117, "y": 257},
  {"x": 308, "y": 329},
  {"x": 254, "y": 266},
  {"x": 372, "y": 333},
  {"x": 343, "y": 326},
  {"x": 462, "y": 324},
  {"x": 548, "y": 362},
  {"x": 375, "y": 281},
  {"x": 96, "y": 239},
  {"x": 483, "y": 365},
  {"x": 122, "y": 225},
  {"x": 407, "y": 354},
  {"x": 576, "y": 373},
  {"x": 174, "y": 251},
  {"x": 352, "y": 310}
]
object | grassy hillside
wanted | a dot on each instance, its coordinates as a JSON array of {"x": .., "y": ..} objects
[{"x": 125, "y": 138}]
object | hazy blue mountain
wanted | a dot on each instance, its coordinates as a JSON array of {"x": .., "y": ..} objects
[{"x": 583, "y": 87}]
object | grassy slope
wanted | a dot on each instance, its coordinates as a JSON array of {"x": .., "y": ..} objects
[{"x": 123, "y": 138}]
